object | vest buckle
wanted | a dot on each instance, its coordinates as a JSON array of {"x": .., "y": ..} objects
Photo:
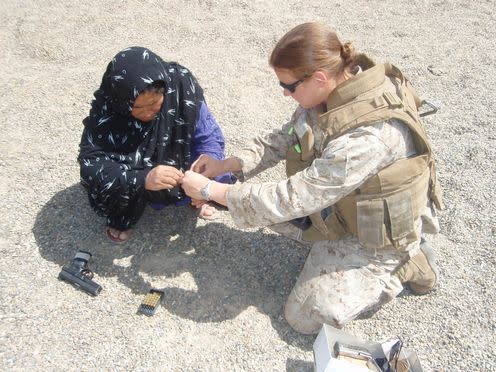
[{"x": 392, "y": 100}]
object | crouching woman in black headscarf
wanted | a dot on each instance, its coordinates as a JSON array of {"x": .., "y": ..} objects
[{"x": 147, "y": 124}]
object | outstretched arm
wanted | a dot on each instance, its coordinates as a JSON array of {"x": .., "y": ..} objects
[
  {"x": 261, "y": 153},
  {"x": 346, "y": 163},
  {"x": 192, "y": 184},
  {"x": 211, "y": 167}
]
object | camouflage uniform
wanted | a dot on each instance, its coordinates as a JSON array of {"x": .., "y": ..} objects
[{"x": 340, "y": 279}]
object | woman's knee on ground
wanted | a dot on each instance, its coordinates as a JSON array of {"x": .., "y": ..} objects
[
  {"x": 307, "y": 314},
  {"x": 298, "y": 316}
]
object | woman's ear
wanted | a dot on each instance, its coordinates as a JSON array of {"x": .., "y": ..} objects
[{"x": 320, "y": 76}]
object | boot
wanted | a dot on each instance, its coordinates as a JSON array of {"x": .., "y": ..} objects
[{"x": 420, "y": 272}]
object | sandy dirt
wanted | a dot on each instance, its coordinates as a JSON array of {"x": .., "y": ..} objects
[{"x": 225, "y": 287}]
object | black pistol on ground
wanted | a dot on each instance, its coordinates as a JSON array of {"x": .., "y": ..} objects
[{"x": 78, "y": 274}]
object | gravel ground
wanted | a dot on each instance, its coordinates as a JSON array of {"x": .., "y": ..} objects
[{"x": 225, "y": 287}]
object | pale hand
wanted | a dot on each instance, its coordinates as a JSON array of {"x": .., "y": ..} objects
[
  {"x": 163, "y": 177},
  {"x": 192, "y": 183},
  {"x": 208, "y": 166}
]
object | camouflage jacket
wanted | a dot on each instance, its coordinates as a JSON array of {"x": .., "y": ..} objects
[{"x": 346, "y": 162}]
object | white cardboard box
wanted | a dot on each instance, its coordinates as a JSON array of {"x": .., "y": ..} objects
[{"x": 325, "y": 358}]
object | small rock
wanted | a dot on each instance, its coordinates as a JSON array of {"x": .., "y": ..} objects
[{"x": 435, "y": 70}]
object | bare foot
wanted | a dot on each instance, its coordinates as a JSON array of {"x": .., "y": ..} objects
[
  {"x": 118, "y": 236},
  {"x": 207, "y": 212}
]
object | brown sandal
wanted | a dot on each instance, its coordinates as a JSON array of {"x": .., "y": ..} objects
[{"x": 117, "y": 239}]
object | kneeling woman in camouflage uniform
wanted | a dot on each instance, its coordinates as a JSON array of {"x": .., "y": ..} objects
[{"x": 361, "y": 180}]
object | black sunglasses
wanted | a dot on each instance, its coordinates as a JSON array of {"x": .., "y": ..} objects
[{"x": 291, "y": 87}]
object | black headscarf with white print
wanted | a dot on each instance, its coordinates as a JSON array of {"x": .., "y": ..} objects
[{"x": 111, "y": 131}]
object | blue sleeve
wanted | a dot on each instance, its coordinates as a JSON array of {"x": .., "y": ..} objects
[{"x": 208, "y": 139}]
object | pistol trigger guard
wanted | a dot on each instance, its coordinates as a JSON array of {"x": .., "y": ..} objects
[{"x": 87, "y": 273}]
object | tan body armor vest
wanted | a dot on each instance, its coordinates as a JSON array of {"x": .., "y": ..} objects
[{"x": 383, "y": 210}]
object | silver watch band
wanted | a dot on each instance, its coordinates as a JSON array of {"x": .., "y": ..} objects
[{"x": 205, "y": 191}]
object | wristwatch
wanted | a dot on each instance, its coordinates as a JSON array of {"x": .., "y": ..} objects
[{"x": 205, "y": 191}]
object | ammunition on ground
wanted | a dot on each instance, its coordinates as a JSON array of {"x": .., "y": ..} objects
[{"x": 151, "y": 302}]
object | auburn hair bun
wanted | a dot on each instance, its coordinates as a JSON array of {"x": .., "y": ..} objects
[{"x": 347, "y": 53}]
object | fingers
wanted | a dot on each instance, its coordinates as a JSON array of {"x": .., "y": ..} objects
[
  {"x": 206, "y": 166},
  {"x": 163, "y": 177},
  {"x": 169, "y": 182},
  {"x": 199, "y": 164},
  {"x": 171, "y": 172},
  {"x": 169, "y": 175}
]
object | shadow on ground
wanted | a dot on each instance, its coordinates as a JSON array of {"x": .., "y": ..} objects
[
  {"x": 232, "y": 269},
  {"x": 295, "y": 365}
]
